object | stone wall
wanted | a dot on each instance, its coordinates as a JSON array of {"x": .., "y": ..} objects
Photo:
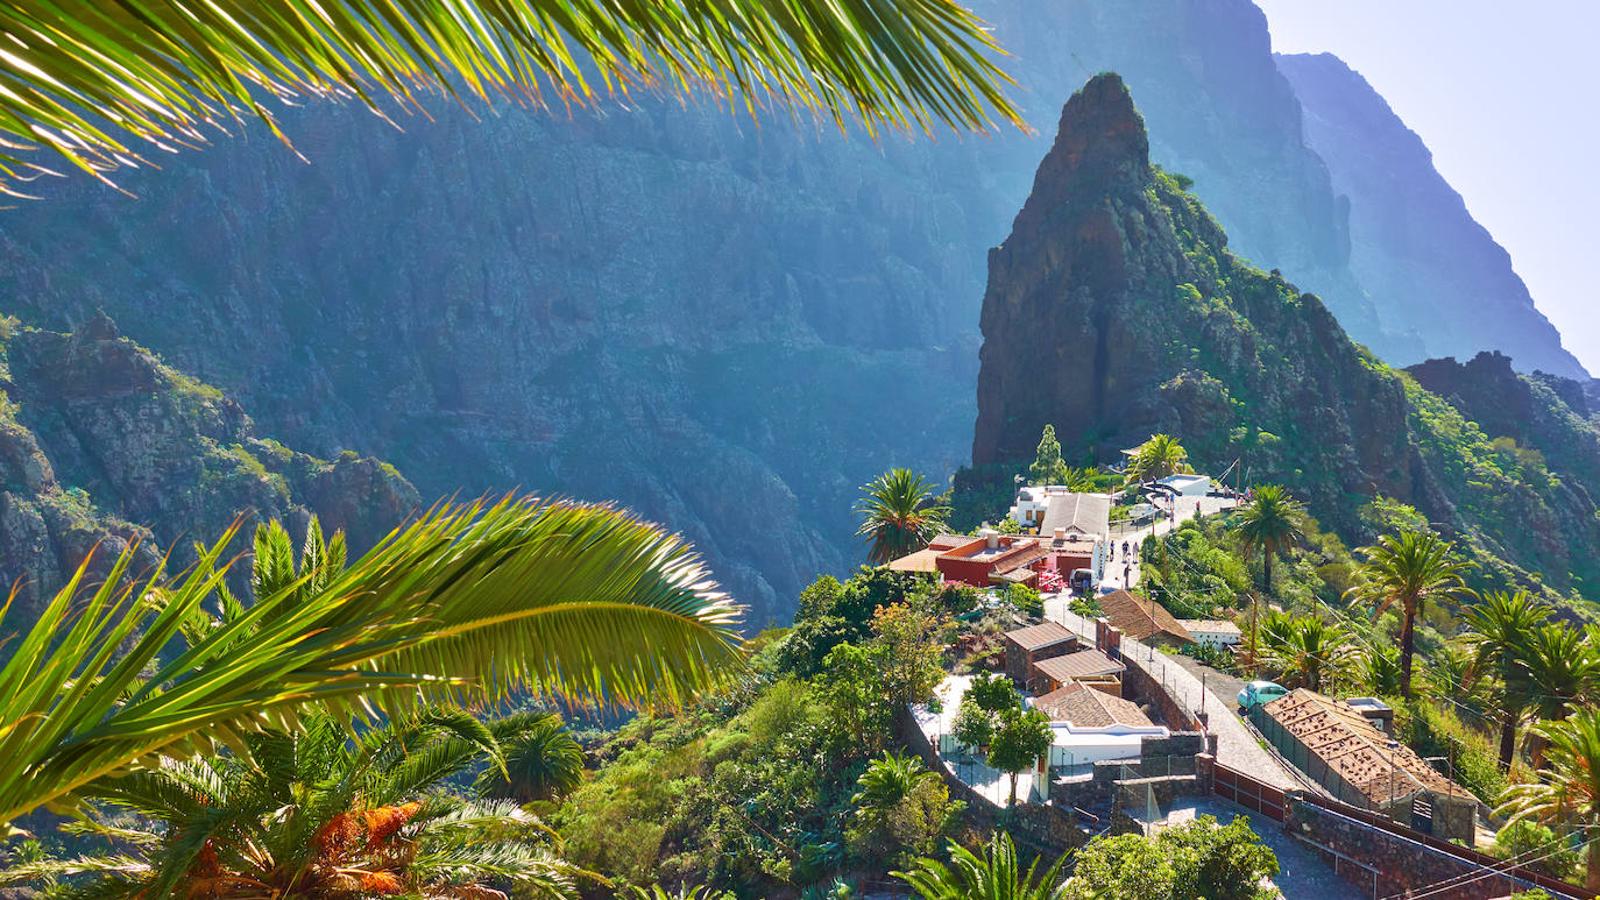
[
  {"x": 1402, "y": 863},
  {"x": 1145, "y": 689}
]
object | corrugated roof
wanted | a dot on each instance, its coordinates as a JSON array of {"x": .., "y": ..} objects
[
  {"x": 1139, "y": 618},
  {"x": 1087, "y": 513},
  {"x": 1082, "y": 664},
  {"x": 1086, "y": 707},
  {"x": 1356, "y": 749},
  {"x": 1036, "y": 637}
]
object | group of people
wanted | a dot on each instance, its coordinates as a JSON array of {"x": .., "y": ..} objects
[{"x": 1129, "y": 554}]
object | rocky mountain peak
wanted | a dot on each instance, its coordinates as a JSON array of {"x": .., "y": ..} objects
[{"x": 1101, "y": 145}]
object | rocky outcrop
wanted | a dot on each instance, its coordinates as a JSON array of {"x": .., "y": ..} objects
[
  {"x": 1115, "y": 310},
  {"x": 1430, "y": 267},
  {"x": 96, "y": 434}
]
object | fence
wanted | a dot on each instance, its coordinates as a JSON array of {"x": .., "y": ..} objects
[{"x": 1249, "y": 793}]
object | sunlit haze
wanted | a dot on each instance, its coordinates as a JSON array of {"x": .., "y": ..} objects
[{"x": 1503, "y": 93}]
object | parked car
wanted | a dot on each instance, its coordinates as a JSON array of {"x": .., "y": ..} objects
[
  {"x": 1082, "y": 580},
  {"x": 1256, "y": 693}
]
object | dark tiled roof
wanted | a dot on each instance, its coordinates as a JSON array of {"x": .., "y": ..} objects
[
  {"x": 1082, "y": 664},
  {"x": 1086, "y": 707},
  {"x": 1139, "y": 618},
  {"x": 1036, "y": 637}
]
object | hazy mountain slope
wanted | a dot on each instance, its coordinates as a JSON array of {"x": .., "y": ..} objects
[
  {"x": 1115, "y": 310},
  {"x": 726, "y": 327},
  {"x": 1428, "y": 264},
  {"x": 96, "y": 433}
]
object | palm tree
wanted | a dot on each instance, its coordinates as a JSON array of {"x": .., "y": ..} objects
[
  {"x": 95, "y": 81},
  {"x": 1566, "y": 796},
  {"x": 542, "y": 762},
  {"x": 1405, "y": 571},
  {"x": 468, "y": 603},
  {"x": 888, "y": 780},
  {"x": 900, "y": 513},
  {"x": 1272, "y": 524},
  {"x": 315, "y": 813},
  {"x": 698, "y": 892},
  {"x": 995, "y": 875},
  {"x": 1497, "y": 628},
  {"x": 1310, "y": 653},
  {"x": 1157, "y": 458},
  {"x": 1560, "y": 669},
  {"x": 1452, "y": 675}
]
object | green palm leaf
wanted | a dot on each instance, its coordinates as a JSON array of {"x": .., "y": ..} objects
[
  {"x": 469, "y": 603},
  {"x": 96, "y": 81}
]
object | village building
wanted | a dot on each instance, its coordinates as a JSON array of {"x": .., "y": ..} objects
[
  {"x": 1077, "y": 524},
  {"x": 1027, "y": 646},
  {"x": 991, "y": 559},
  {"x": 1089, "y": 725},
  {"x": 1342, "y": 750},
  {"x": 1143, "y": 620},
  {"x": 1186, "y": 485},
  {"x": 1216, "y": 633},
  {"x": 1089, "y": 667}
]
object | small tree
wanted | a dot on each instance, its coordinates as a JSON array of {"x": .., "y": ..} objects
[
  {"x": 974, "y": 725},
  {"x": 1047, "y": 467},
  {"x": 994, "y": 693},
  {"x": 1201, "y": 859},
  {"x": 908, "y": 642},
  {"x": 1020, "y": 737},
  {"x": 1026, "y": 599}
]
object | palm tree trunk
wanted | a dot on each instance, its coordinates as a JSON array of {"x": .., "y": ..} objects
[
  {"x": 1266, "y": 570},
  {"x": 1508, "y": 740},
  {"x": 1408, "y": 642}
]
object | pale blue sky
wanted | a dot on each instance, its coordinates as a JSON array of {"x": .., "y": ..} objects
[{"x": 1505, "y": 94}]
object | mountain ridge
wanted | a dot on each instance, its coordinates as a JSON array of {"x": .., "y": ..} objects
[{"x": 1413, "y": 233}]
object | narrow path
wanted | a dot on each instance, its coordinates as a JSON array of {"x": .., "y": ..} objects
[{"x": 1237, "y": 747}]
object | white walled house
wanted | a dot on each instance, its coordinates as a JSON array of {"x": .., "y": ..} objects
[{"x": 1218, "y": 633}]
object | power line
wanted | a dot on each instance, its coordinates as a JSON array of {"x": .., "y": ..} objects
[{"x": 1456, "y": 881}]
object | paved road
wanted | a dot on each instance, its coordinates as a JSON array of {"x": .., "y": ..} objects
[
  {"x": 1188, "y": 508},
  {"x": 1237, "y": 747},
  {"x": 1302, "y": 875}
]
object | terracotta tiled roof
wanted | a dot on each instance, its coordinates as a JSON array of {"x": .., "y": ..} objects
[
  {"x": 1139, "y": 618},
  {"x": 1036, "y": 637},
  {"x": 1086, "y": 707},
  {"x": 1083, "y": 664},
  {"x": 1354, "y": 748},
  {"x": 919, "y": 561}
]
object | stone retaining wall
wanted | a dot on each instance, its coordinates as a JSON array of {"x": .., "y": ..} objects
[{"x": 1402, "y": 864}]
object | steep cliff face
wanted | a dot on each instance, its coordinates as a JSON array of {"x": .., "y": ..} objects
[
  {"x": 1218, "y": 111},
  {"x": 96, "y": 433},
  {"x": 1115, "y": 310},
  {"x": 727, "y": 327},
  {"x": 1430, "y": 267}
]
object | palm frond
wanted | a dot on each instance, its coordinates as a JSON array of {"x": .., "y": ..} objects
[
  {"x": 96, "y": 82},
  {"x": 468, "y": 603}
]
